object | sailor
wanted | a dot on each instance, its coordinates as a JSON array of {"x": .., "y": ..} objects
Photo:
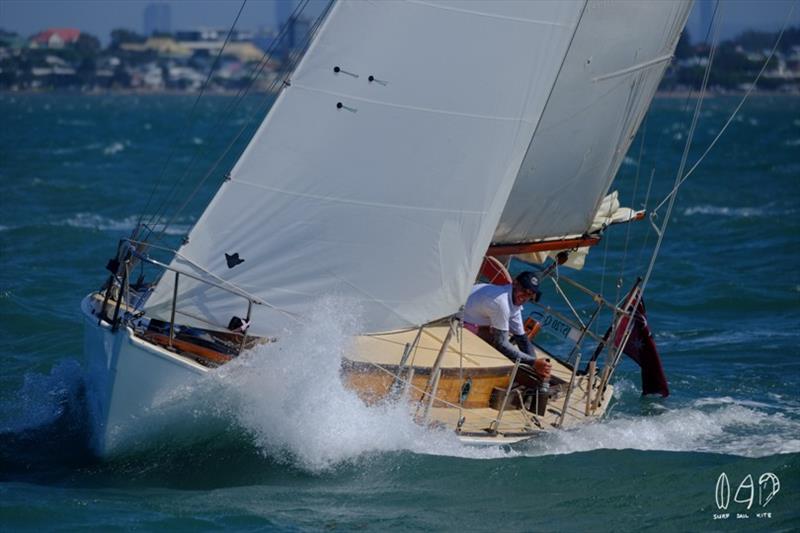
[{"x": 494, "y": 312}]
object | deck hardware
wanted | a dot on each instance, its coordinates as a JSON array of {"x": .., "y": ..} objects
[
  {"x": 577, "y": 351},
  {"x": 376, "y": 80},
  {"x": 589, "y": 385},
  {"x": 496, "y": 422},
  {"x": 433, "y": 382}
]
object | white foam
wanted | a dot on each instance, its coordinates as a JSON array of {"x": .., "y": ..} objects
[
  {"x": 290, "y": 398},
  {"x": 715, "y": 425},
  {"x": 42, "y": 398},
  {"x": 742, "y": 212},
  {"x": 113, "y": 148},
  {"x": 99, "y": 222}
]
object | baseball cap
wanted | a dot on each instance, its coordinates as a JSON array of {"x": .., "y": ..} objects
[{"x": 529, "y": 280}]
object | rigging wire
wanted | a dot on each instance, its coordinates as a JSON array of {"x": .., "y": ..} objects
[
  {"x": 191, "y": 118},
  {"x": 621, "y": 276},
  {"x": 248, "y": 124},
  {"x": 660, "y": 138},
  {"x": 728, "y": 122},
  {"x": 617, "y": 351},
  {"x": 684, "y": 157},
  {"x": 256, "y": 71}
]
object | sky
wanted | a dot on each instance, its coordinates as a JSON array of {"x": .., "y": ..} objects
[{"x": 99, "y": 17}]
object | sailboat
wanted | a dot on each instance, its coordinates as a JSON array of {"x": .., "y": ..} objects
[{"x": 415, "y": 145}]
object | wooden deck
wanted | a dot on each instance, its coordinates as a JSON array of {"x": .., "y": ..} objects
[{"x": 466, "y": 356}]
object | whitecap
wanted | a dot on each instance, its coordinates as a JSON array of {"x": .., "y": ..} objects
[
  {"x": 740, "y": 212},
  {"x": 113, "y": 148},
  {"x": 290, "y": 399},
  {"x": 99, "y": 222},
  {"x": 721, "y": 425}
]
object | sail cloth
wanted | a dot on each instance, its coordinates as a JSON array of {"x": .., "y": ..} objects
[
  {"x": 608, "y": 80},
  {"x": 383, "y": 192},
  {"x": 610, "y": 212}
]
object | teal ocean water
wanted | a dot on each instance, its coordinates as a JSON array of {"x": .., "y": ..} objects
[{"x": 76, "y": 172}]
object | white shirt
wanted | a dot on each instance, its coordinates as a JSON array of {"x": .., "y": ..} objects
[{"x": 491, "y": 305}]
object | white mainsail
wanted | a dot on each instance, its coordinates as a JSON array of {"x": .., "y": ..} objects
[
  {"x": 609, "y": 77},
  {"x": 383, "y": 182}
]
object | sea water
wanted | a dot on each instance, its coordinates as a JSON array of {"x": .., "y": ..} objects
[{"x": 290, "y": 448}]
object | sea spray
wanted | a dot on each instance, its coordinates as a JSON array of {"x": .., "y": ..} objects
[
  {"x": 290, "y": 397},
  {"x": 713, "y": 425}
]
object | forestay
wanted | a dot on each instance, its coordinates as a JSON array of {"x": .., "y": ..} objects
[
  {"x": 609, "y": 77},
  {"x": 384, "y": 192}
]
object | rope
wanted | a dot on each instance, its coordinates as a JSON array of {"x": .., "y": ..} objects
[
  {"x": 240, "y": 95},
  {"x": 620, "y": 278},
  {"x": 232, "y": 286},
  {"x": 690, "y": 136},
  {"x": 660, "y": 138},
  {"x": 191, "y": 117},
  {"x": 569, "y": 304},
  {"x": 728, "y": 122},
  {"x": 249, "y": 123}
]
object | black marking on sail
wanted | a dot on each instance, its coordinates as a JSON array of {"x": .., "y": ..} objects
[{"x": 233, "y": 260}]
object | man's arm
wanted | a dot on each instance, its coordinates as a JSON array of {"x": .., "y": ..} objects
[
  {"x": 524, "y": 344},
  {"x": 501, "y": 343}
]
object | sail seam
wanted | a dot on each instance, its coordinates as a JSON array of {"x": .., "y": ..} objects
[
  {"x": 414, "y": 108},
  {"x": 633, "y": 68},
  {"x": 334, "y": 199},
  {"x": 488, "y": 15}
]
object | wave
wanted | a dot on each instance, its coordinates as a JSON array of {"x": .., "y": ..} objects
[
  {"x": 290, "y": 399},
  {"x": 114, "y": 148},
  {"x": 715, "y": 425},
  {"x": 75, "y": 122},
  {"x": 76, "y": 149},
  {"x": 740, "y": 212},
  {"x": 286, "y": 400},
  {"x": 99, "y": 222}
]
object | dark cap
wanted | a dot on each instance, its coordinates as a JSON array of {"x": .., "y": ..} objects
[{"x": 529, "y": 280}]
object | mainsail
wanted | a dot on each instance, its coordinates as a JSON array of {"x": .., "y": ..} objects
[
  {"x": 610, "y": 74},
  {"x": 381, "y": 172}
]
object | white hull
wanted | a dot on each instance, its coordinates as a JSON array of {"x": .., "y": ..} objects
[
  {"x": 128, "y": 379},
  {"x": 137, "y": 391}
]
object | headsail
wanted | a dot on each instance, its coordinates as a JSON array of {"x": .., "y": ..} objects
[
  {"x": 381, "y": 172},
  {"x": 609, "y": 77}
]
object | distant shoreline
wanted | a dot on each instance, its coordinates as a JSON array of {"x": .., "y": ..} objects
[{"x": 661, "y": 95}]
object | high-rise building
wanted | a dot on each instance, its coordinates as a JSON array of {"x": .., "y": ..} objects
[
  {"x": 157, "y": 18},
  {"x": 283, "y": 10},
  {"x": 700, "y": 22}
]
